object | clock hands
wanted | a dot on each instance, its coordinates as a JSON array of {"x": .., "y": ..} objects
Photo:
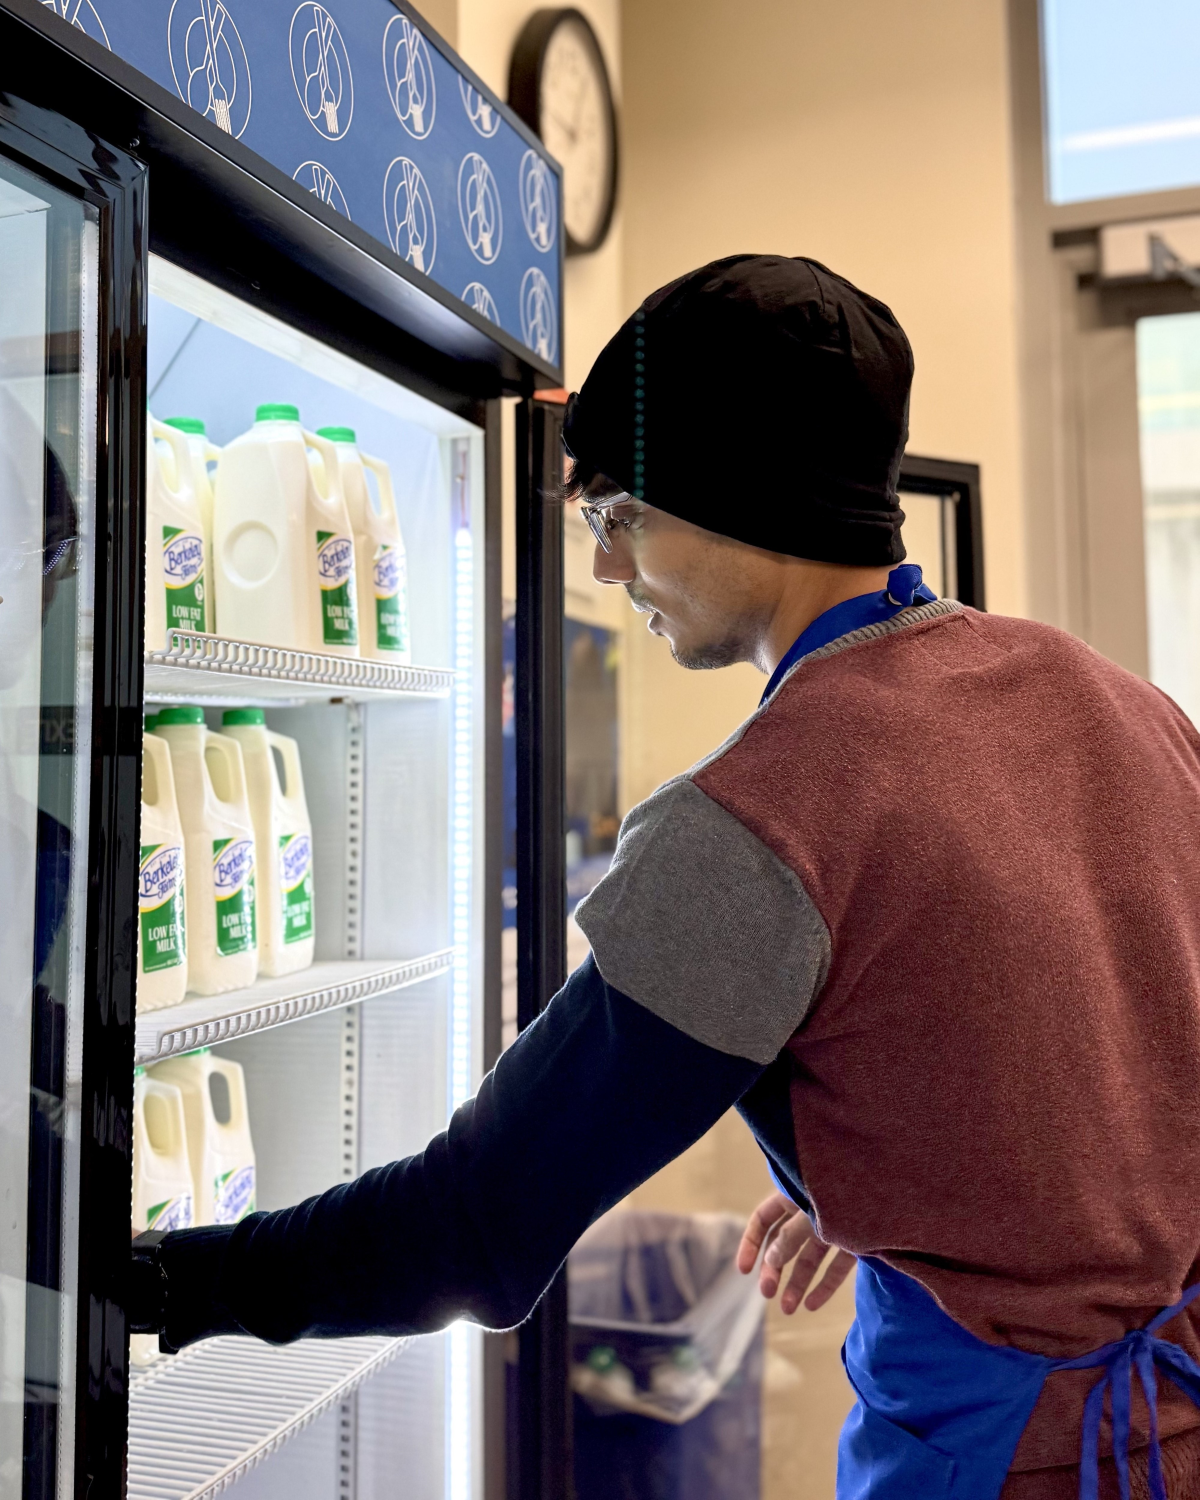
[{"x": 570, "y": 131}]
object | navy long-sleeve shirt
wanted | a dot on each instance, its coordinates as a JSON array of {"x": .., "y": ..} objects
[{"x": 590, "y": 1100}]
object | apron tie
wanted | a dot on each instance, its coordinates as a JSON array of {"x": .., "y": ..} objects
[{"x": 1140, "y": 1351}]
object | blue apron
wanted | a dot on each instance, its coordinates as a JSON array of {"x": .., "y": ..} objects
[{"x": 939, "y": 1412}]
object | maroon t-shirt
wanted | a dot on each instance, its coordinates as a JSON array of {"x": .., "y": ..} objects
[{"x": 997, "y": 1089}]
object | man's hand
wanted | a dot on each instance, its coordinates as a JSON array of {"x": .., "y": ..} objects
[{"x": 795, "y": 1237}]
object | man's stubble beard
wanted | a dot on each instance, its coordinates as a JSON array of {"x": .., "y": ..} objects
[
  {"x": 711, "y": 656},
  {"x": 708, "y": 657}
]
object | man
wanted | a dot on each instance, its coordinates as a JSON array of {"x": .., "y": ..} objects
[{"x": 929, "y": 919}]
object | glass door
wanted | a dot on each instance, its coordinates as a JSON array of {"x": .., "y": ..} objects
[
  {"x": 1168, "y": 386},
  {"x": 48, "y": 337}
]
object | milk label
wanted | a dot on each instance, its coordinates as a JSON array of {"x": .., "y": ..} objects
[
  {"x": 391, "y": 617},
  {"x": 175, "y": 1213},
  {"x": 233, "y": 1195},
  {"x": 335, "y": 574},
  {"x": 183, "y": 574},
  {"x": 160, "y": 906},
  {"x": 233, "y": 889},
  {"x": 296, "y": 886}
]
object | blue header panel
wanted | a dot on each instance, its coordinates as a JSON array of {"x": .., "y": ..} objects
[{"x": 356, "y": 105}]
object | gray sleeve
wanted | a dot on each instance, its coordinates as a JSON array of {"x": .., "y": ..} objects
[{"x": 701, "y": 923}]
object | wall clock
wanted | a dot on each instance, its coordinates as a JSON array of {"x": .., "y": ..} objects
[{"x": 559, "y": 86}]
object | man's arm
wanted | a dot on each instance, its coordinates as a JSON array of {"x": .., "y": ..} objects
[
  {"x": 708, "y": 955},
  {"x": 593, "y": 1098}
]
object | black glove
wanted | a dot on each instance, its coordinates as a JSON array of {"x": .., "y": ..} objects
[
  {"x": 171, "y": 1285},
  {"x": 146, "y": 1298}
]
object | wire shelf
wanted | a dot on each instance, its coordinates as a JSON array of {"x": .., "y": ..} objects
[
  {"x": 198, "y": 665},
  {"x": 201, "y": 1419},
  {"x": 208, "y": 1019}
]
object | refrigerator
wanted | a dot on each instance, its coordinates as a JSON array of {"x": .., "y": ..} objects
[{"x": 205, "y": 207}]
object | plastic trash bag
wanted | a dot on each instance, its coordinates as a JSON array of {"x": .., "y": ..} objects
[{"x": 661, "y": 1317}]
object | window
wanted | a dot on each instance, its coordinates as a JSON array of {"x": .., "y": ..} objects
[
  {"x": 1168, "y": 371},
  {"x": 1122, "y": 91}
]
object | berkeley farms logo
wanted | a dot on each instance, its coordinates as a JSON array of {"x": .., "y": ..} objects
[
  {"x": 233, "y": 866},
  {"x": 387, "y": 573},
  {"x": 295, "y": 858},
  {"x": 335, "y": 559},
  {"x": 174, "y": 1213},
  {"x": 183, "y": 559},
  {"x": 234, "y": 1195},
  {"x": 159, "y": 875}
]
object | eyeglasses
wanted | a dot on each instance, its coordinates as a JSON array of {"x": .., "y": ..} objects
[{"x": 605, "y": 514}]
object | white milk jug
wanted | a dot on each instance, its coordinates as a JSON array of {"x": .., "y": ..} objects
[
  {"x": 220, "y": 1150},
  {"x": 283, "y": 838},
  {"x": 177, "y": 578},
  {"x": 203, "y": 453},
  {"x": 218, "y": 839},
  {"x": 163, "y": 1197},
  {"x": 380, "y": 564},
  {"x": 162, "y": 930},
  {"x": 282, "y": 541}
]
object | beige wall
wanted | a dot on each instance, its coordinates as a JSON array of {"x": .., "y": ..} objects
[
  {"x": 876, "y": 138},
  {"x": 873, "y": 136}
]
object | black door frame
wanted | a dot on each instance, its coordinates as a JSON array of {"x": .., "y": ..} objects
[
  {"x": 959, "y": 483},
  {"x": 543, "y": 1462}
]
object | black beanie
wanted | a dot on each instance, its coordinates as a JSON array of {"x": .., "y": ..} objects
[{"x": 763, "y": 398}]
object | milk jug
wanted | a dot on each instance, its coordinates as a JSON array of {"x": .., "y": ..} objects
[
  {"x": 380, "y": 565},
  {"x": 177, "y": 581},
  {"x": 202, "y": 453},
  {"x": 283, "y": 838},
  {"x": 220, "y": 1150},
  {"x": 282, "y": 540},
  {"x": 218, "y": 839},
  {"x": 162, "y": 1175},
  {"x": 162, "y": 971}
]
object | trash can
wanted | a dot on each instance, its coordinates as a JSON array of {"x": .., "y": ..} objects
[{"x": 666, "y": 1360}]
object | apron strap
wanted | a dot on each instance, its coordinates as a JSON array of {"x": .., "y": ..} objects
[{"x": 1139, "y": 1350}]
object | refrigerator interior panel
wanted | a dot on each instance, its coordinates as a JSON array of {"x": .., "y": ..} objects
[
  {"x": 402, "y": 1100},
  {"x": 309, "y": 1467},
  {"x": 48, "y": 384},
  {"x": 394, "y": 785},
  {"x": 326, "y": 734},
  {"x": 295, "y": 1088},
  {"x": 406, "y": 849},
  {"x": 401, "y": 1427}
]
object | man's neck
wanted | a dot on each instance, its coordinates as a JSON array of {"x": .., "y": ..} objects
[{"x": 807, "y": 590}]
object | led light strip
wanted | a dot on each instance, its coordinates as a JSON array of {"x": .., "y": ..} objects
[
  {"x": 459, "y": 1457},
  {"x": 462, "y": 853}
]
